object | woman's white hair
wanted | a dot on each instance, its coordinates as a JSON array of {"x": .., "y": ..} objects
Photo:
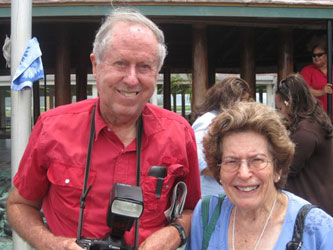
[{"x": 104, "y": 35}]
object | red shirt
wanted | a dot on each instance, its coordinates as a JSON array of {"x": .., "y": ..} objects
[
  {"x": 316, "y": 80},
  {"x": 52, "y": 167}
]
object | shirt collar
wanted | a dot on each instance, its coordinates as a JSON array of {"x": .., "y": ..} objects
[{"x": 151, "y": 123}]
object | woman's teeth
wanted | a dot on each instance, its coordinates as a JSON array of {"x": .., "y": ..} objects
[{"x": 247, "y": 189}]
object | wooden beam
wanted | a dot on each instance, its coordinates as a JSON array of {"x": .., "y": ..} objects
[
  {"x": 82, "y": 71},
  {"x": 247, "y": 57},
  {"x": 62, "y": 79},
  {"x": 285, "y": 54},
  {"x": 200, "y": 64},
  {"x": 36, "y": 102},
  {"x": 167, "y": 88}
]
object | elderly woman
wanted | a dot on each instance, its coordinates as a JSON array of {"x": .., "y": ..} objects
[
  {"x": 311, "y": 172},
  {"x": 222, "y": 95},
  {"x": 249, "y": 151}
]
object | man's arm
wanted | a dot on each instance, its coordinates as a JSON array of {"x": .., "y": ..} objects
[
  {"x": 24, "y": 217},
  {"x": 168, "y": 238}
]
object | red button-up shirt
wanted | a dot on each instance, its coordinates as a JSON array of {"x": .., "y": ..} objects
[
  {"x": 52, "y": 167},
  {"x": 316, "y": 79}
]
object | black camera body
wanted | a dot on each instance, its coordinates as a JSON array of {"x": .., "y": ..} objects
[
  {"x": 125, "y": 206},
  {"x": 105, "y": 244}
]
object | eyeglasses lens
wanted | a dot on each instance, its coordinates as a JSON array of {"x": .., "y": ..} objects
[{"x": 318, "y": 55}]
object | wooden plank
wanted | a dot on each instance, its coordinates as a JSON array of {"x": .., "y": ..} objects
[
  {"x": 200, "y": 64},
  {"x": 62, "y": 79},
  {"x": 247, "y": 64},
  {"x": 285, "y": 54}
]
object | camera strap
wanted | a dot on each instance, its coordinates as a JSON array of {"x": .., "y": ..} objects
[
  {"x": 85, "y": 190},
  {"x": 139, "y": 131}
]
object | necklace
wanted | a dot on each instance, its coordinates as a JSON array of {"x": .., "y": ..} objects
[{"x": 262, "y": 232}]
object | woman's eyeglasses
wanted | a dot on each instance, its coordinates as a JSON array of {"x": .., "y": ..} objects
[
  {"x": 318, "y": 54},
  {"x": 254, "y": 163}
]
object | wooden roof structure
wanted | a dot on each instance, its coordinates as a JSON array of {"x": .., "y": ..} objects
[{"x": 204, "y": 37}]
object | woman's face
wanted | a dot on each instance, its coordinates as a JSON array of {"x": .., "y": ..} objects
[
  {"x": 283, "y": 107},
  {"x": 319, "y": 57},
  {"x": 247, "y": 188}
]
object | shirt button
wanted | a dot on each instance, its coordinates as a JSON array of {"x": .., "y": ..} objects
[
  {"x": 109, "y": 129},
  {"x": 67, "y": 181}
]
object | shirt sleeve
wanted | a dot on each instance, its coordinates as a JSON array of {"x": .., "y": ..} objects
[
  {"x": 195, "y": 239},
  {"x": 305, "y": 141},
  {"x": 199, "y": 135},
  {"x": 31, "y": 178},
  {"x": 193, "y": 178},
  {"x": 318, "y": 230}
]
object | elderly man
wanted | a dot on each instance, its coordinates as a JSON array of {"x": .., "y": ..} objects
[{"x": 128, "y": 53}]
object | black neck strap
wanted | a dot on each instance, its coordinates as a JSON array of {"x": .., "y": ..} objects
[{"x": 85, "y": 191}]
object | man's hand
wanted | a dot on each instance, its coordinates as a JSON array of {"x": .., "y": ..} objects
[
  {"x": 168, "y": 238},
  {"x": 24, "y": 217},
  {"x": 64, "y": 243}
]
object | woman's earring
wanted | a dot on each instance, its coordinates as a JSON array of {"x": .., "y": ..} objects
[
  {"x": 277, "y": 179},
  {"x": 286, "y": 103}
]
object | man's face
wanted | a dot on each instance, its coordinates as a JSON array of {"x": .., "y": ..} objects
[{"x": 127, "y": 75}]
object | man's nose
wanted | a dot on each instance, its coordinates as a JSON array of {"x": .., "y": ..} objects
[{"x": 131, "y": 76}]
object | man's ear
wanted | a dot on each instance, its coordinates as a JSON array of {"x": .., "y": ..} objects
[{"x": 93, "y": 63}]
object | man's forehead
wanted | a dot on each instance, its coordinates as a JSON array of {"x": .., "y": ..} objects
[{"x": 133, "y": 28}]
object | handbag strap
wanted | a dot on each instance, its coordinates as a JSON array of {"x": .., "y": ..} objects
[
  {"x": 297, "y": 239},
  {"x": 208, "y": 227}
]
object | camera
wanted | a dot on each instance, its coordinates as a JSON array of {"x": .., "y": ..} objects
[{"x": 125, "y": 206}]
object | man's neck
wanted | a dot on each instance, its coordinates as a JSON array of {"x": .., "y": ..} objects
[{"x": 125, "y": 133}]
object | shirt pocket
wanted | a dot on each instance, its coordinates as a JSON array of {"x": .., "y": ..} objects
[
  {"x": 154, "y": 207},
  {"x": 67, "y": 182}
]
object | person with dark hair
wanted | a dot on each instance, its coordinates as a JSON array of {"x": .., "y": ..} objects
[
  {"x": 249, "y": 152},
  {"x": 133, "y": 143},
  {"x": 311, "y": 172},
  {"x": 315, "y": 74},
  {"x": 221, "y": 95}
]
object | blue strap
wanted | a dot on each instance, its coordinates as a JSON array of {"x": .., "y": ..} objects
[{"x": 208, "y": 228}]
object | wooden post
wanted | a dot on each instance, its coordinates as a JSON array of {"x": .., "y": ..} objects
[
  {"x": 285, "y": 54},
  {"x": 82, "y": 72},
  {"x": 36, "y": 98},
  {"x": 62, "y": 76},
  {"x": 200, "y": 64},
  {"x": 247, "y": 57},
  {"x": 167, "y": 88}
]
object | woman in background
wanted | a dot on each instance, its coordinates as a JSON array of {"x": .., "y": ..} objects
[
  {"x": 315, "y": 74},
  {"x": 249, "y": 152},
  {"x": 311, "y": 173},
  {"x": 222, "y": 95}
]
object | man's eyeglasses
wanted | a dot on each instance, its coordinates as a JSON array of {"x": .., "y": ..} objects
[
  {"x": 318, "y": 54},
  {"x": 254, "y": 163}
]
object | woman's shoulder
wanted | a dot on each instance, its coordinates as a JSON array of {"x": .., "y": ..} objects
[
  {"x": 202, "y": 122},
  {"x": 309, "y": 67},
  {"x": 316, "y": 220}
]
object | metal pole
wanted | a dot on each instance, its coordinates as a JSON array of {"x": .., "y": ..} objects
[
  {"x": 329, "y": 66},
  {"x": 20, "y": 100}
]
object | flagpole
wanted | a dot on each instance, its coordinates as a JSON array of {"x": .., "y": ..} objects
[{"x": 20, "y": 100}]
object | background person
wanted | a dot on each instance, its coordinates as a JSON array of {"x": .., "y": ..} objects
[
  {"x": 315, "y": 74},
  {"x": 128, "y": 53},
  {"x": 311, "y": 172},
  {"x": 222, "y": 95},
  {"x": 249, "y": 151}
]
